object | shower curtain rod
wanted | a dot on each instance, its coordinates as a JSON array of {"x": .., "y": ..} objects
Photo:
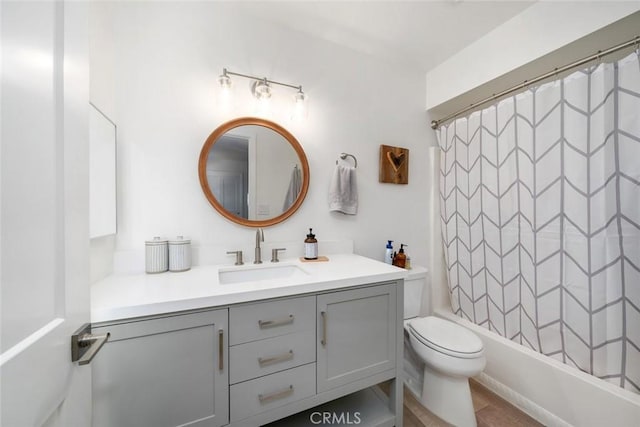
[{"x": 635, "y": 41}]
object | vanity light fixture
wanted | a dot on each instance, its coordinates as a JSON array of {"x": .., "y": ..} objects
[{"x": 261, "y": 88}]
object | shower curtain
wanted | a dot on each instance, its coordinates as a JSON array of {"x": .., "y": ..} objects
[{"x": 540, "y": 214}]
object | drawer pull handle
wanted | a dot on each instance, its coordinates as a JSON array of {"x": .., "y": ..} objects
[
  {"x": 220, "y": 349},
  {"x": 275, "y": 359},
  {"x": 324, "y": 328},
  {"x": 266, "y": 398},
  {"x": 263, "y": 324}
]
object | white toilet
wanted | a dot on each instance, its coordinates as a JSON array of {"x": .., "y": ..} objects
[{"x": 449, "y": 355}]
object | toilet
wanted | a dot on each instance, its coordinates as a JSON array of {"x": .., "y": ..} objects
[{"x": 440, "y": 356}]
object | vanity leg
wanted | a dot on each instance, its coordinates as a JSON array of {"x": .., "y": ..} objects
[{"x": 396, "y": 396}]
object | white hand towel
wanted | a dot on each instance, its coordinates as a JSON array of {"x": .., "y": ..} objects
[{"x": 343, "y": 191}]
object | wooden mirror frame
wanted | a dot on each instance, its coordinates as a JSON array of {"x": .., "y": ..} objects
[{"x": 244, "y": 121}]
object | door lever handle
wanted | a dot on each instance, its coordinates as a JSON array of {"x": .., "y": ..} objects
[{"x": 85, "y": 345}]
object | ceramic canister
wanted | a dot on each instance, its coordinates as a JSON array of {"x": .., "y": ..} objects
[
  {"x": 179, "y": 254},
  {"x": 156, "y": 255}
]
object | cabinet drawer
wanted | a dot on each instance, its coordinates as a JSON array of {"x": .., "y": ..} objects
[
  {"x": 251, "y": 397},
  {"x": 259, "y": 358},
  {"x": 253, "y": 322}
]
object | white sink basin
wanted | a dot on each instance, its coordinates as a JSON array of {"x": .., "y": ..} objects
[{"x": 259, "y": 273}]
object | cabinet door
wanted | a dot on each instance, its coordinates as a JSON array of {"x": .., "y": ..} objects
[
  {"x": 356, "y": 334},
  {"x": 165, "y": 372}
]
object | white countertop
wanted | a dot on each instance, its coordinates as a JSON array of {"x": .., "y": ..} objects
[{"x": 126, "y": 296}]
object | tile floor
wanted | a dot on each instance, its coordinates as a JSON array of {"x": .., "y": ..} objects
[{"x": 491, "y": 411}]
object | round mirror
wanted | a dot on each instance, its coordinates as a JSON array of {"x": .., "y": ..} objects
[{"x": 253, "y": 171}]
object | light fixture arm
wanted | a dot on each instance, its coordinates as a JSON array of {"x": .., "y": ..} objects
[
  {"x": 260, "y": 79},
  {"x": 261, "y": 91}
]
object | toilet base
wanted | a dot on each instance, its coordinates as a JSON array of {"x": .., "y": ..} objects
[
  {"x": 448, "y": 397},
  {"x": 413, "y": 368}
]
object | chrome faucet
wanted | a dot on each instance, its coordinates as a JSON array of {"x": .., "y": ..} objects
[{"x": 259, "y": 238}]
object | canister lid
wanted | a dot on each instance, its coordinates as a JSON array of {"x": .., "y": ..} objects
[
  {"x": 156, "y": 241},
  {"x": 179, "y": 240}
]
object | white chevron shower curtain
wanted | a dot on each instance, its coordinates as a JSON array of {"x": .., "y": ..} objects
[{"x": 540, "y": 214}]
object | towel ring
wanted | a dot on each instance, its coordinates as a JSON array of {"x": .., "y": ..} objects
[{"x": 343, "y": 156}]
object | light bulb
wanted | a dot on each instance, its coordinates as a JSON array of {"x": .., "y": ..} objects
[
  {"x": 299, "y": 106},
  {"x": 225, "y": 81},
  {"x": 262, "y": 90},
  {"x": 224, "y": 98}
]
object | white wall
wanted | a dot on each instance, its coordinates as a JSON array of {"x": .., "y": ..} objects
[
  {"x": 539, "y": 30},
  {"x": 102, "y": 95},
  {"x": 167, "y": 60}
]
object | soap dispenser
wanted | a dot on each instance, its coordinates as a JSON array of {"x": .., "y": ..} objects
[
  {"x": 388, "y": 255},
  {"x": 310, "y": 246},
  {"x": 401, "y": 257}
]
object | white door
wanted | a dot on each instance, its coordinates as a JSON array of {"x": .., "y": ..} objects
[{"x": 44, "y": 289}]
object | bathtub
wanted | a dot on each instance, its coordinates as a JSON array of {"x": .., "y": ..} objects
[{"x": 551, "y": 392}]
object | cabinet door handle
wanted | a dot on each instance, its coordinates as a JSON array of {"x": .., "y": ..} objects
[
  {"x": 323, "y": 341},
  {"x": 266, "y": 398},
  {"x": 220, "y": 349},
  {"x": 263, "y": 324},
  {"x": 275, "y": 359}
]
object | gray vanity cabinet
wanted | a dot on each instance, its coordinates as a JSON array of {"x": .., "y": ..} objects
[
  {"x": 356, "y": 335},
  {"x": 253, "y": 363},
  {"x": 165, "y": 371}
]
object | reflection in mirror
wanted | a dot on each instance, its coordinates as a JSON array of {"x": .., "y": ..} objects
[
  {"x": 227, "y": 173},
  {"x": 255, "y": 172},
  {"x": 250, "y": 170}
]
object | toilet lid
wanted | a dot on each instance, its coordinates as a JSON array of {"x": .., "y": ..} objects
[{"x": 446, "y": 337}]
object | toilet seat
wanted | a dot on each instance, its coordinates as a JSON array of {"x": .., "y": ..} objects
[{"x": 446, "y": 337}]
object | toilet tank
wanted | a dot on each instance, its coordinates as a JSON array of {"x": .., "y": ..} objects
[{"x": 416, "y": 290}]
